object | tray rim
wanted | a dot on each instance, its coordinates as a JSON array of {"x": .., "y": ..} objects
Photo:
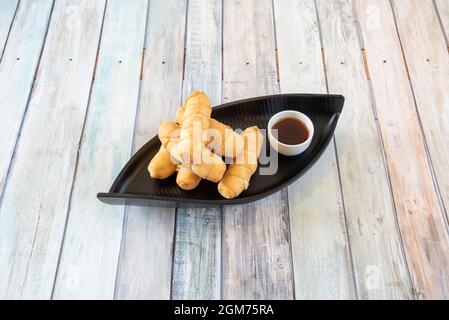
[{"x": 236, "y": 201}]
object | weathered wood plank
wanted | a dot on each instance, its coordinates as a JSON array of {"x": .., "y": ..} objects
[
  {"x": 320, "y": 248},
  {"x": 324, "y": 272},
  {"x": 17, "y": 71},
  {"x": 147, "y": 247},
  {"x": 203, "y": 49},
  {"x": 256, "y": 243},
  {"x": 420, "y": 216},
  {"x": 7, "y": 11},
  {"x": 196, "y": 269},
  {"x": 428, "y": 65},
  {"x": 88, "y": 263},
  {"x": 197, "y": 256},
  {"x": 379, "y": 264},
  {"x": 35, "y": 203},
  {"x": 443, "y": 11}
]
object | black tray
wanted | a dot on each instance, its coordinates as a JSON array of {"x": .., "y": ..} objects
[{"x": 134, "y": 185}]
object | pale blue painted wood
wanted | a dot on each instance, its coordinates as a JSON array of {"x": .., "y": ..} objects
[
  {"x": 145, "y": 265},
  {"x": 197, "y": 256},
  {"x": 7, "y": 11},
  {"x": 17, "y": 72},
  {"x": 320, "y": 250},
  {"x": 256, "y": 242},
  {"x": 89, "y": 257},
  {"x": 35, "y": 201}
]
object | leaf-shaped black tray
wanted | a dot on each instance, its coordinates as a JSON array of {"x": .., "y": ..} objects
[{"x": 134, "y": 185}]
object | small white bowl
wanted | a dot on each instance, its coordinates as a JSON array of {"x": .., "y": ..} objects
[{"x": 290, "y": 149}]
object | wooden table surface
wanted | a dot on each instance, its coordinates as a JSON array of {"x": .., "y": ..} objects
[{"x": 84, "y": 84}]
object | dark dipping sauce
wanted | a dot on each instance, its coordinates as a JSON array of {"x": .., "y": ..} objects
[{"x": 290, "y": 131}]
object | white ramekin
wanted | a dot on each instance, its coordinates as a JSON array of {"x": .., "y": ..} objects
[{"x": 290, "y": 149}]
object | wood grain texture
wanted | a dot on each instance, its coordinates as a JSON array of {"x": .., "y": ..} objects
[
  {"x": 428, "y": 65},
  {"x": 7, "y": 11},
  {"x": 33, "y": 214},
  {"x": 88, "y": 263},
  {"x": 203, "y": 49},
  {"x": 17, "y": 72},
  {"x": 379, "y": 264},
  {"x": 420, "y": 216},
  {"x": 321, "y": 258},
  {"x": 256, "y": 243},
  {"x": 443, "y": 11},
  {"x": 197, "y": 260},
  {"x": 197, "y": 256},
  {"x": 145, "y": 263}
]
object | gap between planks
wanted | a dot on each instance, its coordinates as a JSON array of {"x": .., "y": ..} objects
[
  {"x": 277, "y": 62},
  {"x": 276, "y": 54},
  {"x": 142, "y": 61},
  {"x": 180, "y": 103},
  {"x": 440, "y": 21},
  {"x": 365, "y": 64},
  {"x": 9, "y": 31}
]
